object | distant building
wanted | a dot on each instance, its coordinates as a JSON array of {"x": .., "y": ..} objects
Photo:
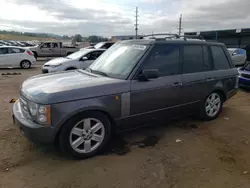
[
  {"x": 239, "y": 38},
  {"x": 124, "y": 37}
]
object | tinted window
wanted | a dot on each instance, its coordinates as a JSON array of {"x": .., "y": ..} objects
[
  {"x": 3, "y": 51},
  {"x": 219, "y": 57},
  {"x": 15, "y": 50},
  {"x": 107, "y": 45},
  {"x": 165, "y": 58},
  {"x": 55, "y": 45},
  {"x": 192, "y": 59},
  {"x": 94, "y": 55},
  {"x": 207, "y": 58},
  {"x": 46, "y": 45}
]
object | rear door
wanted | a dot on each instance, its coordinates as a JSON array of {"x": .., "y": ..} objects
[
  {"x": 3, "y": 57},
  {"x": 15, "y": 56},
  {"x": 56, "y": 50},
  {"x": 193, "y": 77},
  {"x": 157, "y": 98}
]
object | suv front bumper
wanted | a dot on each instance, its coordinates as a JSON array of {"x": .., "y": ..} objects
[{"x": 33, "y": 131}]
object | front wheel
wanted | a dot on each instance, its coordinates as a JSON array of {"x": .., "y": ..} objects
[
  {"x": 85, "y": 135},
  {"x": 211, "y": 107},
  {"x": 25, "y": 64}
]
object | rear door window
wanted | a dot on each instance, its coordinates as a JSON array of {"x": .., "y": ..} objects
[
  {"x": 219, "y": 58},
  {"x": 15, "y": 50},
  {"x": 3, "y": 51},
  {"x": 192, "y": 59}
]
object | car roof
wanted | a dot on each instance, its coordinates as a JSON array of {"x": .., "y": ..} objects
[
  {"x": 12, "y": 47},
  {"x": 170, "y": 41}
]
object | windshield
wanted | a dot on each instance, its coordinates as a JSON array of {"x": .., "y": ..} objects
[
  {"x": 119, "y": 60},
  {"x": 230, "y": 50},
  {"x": 77, "y": 54},
  {"x": 99, "y": 45}
]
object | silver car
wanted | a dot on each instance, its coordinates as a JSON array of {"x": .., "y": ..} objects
[{"x": 238, "y": 55}]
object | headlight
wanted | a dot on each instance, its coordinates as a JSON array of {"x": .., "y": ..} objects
[
  {"x": 53, "y": 66},
  {"x": 33, "y": 108},
  {"x": 40, "y": 113}
]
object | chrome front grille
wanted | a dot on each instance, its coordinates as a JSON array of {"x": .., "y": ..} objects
[{"x": 245, "y": 75}]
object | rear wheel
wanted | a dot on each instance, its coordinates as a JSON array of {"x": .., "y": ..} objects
[
  {"x": 85, "y": 135},
  {"x": 212, "y": 106},
  {"x": 25, "y": 64}
]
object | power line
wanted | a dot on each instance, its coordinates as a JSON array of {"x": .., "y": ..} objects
[{"x": 136, "y": 22}]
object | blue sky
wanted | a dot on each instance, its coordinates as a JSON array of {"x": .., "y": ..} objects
[{"x": 113, "y": 17}]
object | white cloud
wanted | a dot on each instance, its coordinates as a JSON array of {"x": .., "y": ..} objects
[{"x": 110, "y": 17}]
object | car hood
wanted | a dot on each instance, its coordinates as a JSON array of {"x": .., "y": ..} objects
[
  {"x": 70, "y": 85},
  {"x": 58, "y": 61}
]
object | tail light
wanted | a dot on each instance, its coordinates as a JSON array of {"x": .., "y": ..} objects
[{"x": 30, "y": 53}]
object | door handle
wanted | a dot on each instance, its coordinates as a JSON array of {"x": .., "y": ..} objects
[
  {"x": 177, "y": 84},
  {"x": 210, "y": 79}
]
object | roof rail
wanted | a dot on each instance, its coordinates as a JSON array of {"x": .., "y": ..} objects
[
  {"x": 173, "y": 36},
  {"x": 168, "y": 36}
]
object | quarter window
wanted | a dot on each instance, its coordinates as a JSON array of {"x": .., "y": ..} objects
[
  {"x": 192, "y": 60},
  {"x": 219, "y": 57},
  {"x": 165, "y": 58}
]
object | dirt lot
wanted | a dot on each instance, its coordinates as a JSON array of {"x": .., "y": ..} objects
[{"x": 186, "y": 153}]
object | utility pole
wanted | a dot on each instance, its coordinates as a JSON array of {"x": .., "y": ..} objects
[
  {"x": 136, "y": 22},
  {"x": 180, "y": 25}
]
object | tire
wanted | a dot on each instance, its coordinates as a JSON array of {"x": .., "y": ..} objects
[
  {"x": 85, "y": 135},
  {"x": 211, "y": 107},
  {"x": 25, "y": 64},
  {"x": 35, "y": 55}
]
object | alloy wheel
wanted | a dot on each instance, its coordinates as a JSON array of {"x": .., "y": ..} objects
[
  {"x": 213, "y": 105},
  {"x": 87, "y": 135}
]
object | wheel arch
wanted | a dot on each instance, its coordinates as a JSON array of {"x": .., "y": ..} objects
[
  {"x": 71, "y": 68},
  {"x": 24, "y": 60},
  {"x": 221, "y": 92},
  {"x": 82, "y": 111}
]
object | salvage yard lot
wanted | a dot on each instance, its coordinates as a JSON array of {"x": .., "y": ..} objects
[{"x": 185, "y": 153}]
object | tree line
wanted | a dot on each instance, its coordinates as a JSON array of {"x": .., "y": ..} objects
[{"x": 74, "y": 38}]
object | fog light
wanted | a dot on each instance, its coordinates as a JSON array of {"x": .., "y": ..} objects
[{"x": 42, "y": 119}]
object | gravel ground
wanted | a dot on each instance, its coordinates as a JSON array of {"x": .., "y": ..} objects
[{"x": 186, "y": 153}]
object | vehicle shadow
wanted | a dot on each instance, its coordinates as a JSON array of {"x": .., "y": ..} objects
[{"x": 122, "y": 142}]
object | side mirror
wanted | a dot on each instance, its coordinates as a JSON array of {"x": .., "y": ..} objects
[
  {"x": 235, "y": 53},
  {"x": 148, "y": 74},
  {"x": 83, "y": 59}
]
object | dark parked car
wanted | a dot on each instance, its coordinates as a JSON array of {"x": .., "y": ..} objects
[{"x": 133, "y": 83}]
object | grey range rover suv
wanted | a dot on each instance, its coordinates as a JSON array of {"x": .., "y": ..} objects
[{"x": 134, "y": 83}]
